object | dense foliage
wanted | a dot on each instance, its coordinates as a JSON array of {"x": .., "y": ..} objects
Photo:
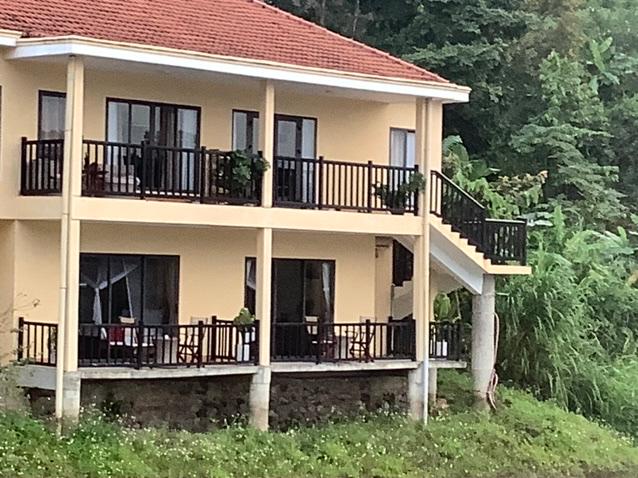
[
  {"x": 525, "y": 439},
  {"x": 551, "y": 133}
]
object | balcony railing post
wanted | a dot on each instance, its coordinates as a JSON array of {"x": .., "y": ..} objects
[
  {"x": 213, "y": 339},
  {"x": 255, "y": 331},
  {"x": 145, "y": 158},
  {"x": 417, "y": 194},
  {"x": 200, "y": 343},
  {"x": 140, "y": 345},
  {"x": 319, "y": 339},
  {"x": 370, "y": 186},
  {"x": 320, "y": 166},
  {"x": 368, "y": 339},
  {"x": 523, "y": 243},
  {"x": 201, "y": 169},
  {"x": 20, "y": 350},
  {"x": 24, "y": 173}
]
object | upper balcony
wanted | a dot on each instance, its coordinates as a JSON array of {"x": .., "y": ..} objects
[{"x": 211, "y": 176}]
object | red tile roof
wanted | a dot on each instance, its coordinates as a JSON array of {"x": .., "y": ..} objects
[{"x": 235, "y": 28}]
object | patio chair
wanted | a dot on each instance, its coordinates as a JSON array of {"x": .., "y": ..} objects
[
  {"x": 362, "y": 340},
  {"x": 188, "y": 348},
  {"x": 322, "y": 344}
]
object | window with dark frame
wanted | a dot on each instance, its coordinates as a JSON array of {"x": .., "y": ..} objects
[
  {"x": 402, "y": 147},
  {"x": 245, "y": 131},
  {"x": 162, "y": 124},
  {"x": 142, "y": 287},
  {"x": 51, "y": 114},
  {"x": 295, "y": 136}
]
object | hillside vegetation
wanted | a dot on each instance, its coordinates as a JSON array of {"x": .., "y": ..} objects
[{"x": 550, "y": 134}]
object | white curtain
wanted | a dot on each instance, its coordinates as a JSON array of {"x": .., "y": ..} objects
[
  {"x": 327, "y": 288},
  {"x": 119, "y": 270},
  {"x": 251, "y": 274}
]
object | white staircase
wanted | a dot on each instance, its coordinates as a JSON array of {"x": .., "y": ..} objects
[{"x": 402, "y": 300}]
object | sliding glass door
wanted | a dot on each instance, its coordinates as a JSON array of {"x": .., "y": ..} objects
[
  {"x": 302, "y": 293},
  {"x": 301, "y": 288},
  {"x": 295, "y": 147},
  {"x": 143, "y": 288},
  {"x": 172, "y": 128}
]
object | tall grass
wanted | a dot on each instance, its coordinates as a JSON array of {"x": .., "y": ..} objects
[{"x": 568, "y": 329}]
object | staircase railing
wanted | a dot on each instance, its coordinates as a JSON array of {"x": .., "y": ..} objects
[{"x": 501, "y": 241}]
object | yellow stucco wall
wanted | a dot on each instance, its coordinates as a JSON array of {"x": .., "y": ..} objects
[
  {"x": 7, "y": 232},
  {"x": 211, "y": 264},
  {"x": 347, "y": 129}
]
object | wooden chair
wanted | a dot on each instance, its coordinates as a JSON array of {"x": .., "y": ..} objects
[
  {"x": 188, "y": 349},
  {"x": 322, "y": 344},
  {"x": 362, "y": 340},
  {"x": 93, "y": 178}
]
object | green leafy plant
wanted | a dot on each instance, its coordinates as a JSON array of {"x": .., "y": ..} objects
[
  {"x": 244, "y": 167},
  {"x": 396, "y": 196},
  {"x": 244, "y": 317}
]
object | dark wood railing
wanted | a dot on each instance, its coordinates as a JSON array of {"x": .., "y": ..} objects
[
  {"x": 457, "y": 208},
  {"x": 42, "y": 162},
  {"x": 506, "y": 241},
  {"x": 362, "y": 341},
  {"x": 37, "y": 342},
  {"x": 446, "y": 340},
  {"x": 340, "y": 185},
  {"x": 141, "y": 170},
  {"x": 501, "y": 241},
  {"x": 197, "y": 345},
  {"x": 223, "y": 342}
]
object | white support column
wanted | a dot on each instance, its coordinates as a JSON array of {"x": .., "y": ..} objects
[
  {"x": 67, "y": 405},
  {"x": 483, "y": 336},
  {"x": 264, "y": 293},
  {"x": 259, "y": 400},
  {"x": 267, "y": 139},
  {"x": 432, "y": 384},
  {"x": 421, "y": 282},
  {"x": 260, "y": 387}
]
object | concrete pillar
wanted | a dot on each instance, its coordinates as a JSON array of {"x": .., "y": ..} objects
[
  {"x": 428, "y": 150},
  {"x": 71, "y": 397},
  {"x": 68, "y": 323},
  {"x": 260, "y": 398},
  {"x": 267, "y": 139},
  {"x": 483, "y": 350},
  {"x": 264, "y": 293},
  {"x": 417, "y": 394},
  {"x": 432, "y": 385}
]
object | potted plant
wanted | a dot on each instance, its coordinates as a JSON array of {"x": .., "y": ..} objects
[
  {"x": 244, "y": 322},
  {"x": 396, "y": 196},
  {"x": 244, "y": 167}
]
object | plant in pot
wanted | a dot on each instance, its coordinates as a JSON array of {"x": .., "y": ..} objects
[
  {"x": 244, "y": 168},
  {"x": 244, "y": 321},
  {"x": 396, "y": 196}
]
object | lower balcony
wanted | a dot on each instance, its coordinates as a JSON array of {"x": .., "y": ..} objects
[{"x": 211, "y": 342}]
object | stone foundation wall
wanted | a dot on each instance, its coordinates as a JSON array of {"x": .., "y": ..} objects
[
  {"x": 314, "y": 398},
  {"x": 197, "y": 405},
  {"x": 202, "y": 404}
]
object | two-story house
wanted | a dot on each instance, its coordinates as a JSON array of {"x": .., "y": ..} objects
[{"x": 165, "y": 164}]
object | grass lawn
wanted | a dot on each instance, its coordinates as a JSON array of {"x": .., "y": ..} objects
[{"x": 524, "y": 439}]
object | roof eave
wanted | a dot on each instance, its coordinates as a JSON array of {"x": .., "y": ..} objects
[
  {"x": 90, "y": 47},
  {"x": 9, "y": 37}
]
